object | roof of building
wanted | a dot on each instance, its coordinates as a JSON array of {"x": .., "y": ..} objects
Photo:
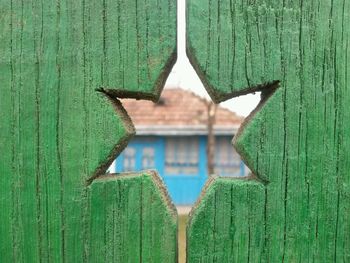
[{"x": 178, "y": 112}]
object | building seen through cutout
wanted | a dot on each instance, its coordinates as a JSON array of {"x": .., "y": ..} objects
[{"x": 172, "y": 136}]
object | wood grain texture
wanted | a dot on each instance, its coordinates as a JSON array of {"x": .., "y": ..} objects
[
  {"x": 296, "y": 143},
  {"x": 56, "y": 131},
  {"x": 227, "y": 222},
  {"x": 133, "y": 220}
]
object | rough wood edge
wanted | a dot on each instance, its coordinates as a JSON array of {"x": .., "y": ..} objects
[
  {"x": 156, "y": 180},
  {"x": 113, "y": 96},
  {"x": 218, "y": 96},
  {"x": 211, "y": 182},
  {"x": 267, "y": 91},
  {"x": 266, "y": 94},
  {"x": 121, "y": 144},
  {"x": 154, "y": 95},
  {"x": 210, "y": 188}
]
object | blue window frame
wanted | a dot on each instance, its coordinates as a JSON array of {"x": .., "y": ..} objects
[
  {"x": 148, "y": 155},
  {"x": 140, "y": 154},
  {"x": 181, "y": 156},
  {"x": 227, "y": 160},
  {"x": 129, "y": 161}
]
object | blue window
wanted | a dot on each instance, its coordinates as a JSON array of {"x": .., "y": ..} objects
[
  {"x": 227, "y": 160},
  {"x": 148, "y": 158},
  {"x": 181, "y": 155},
  {"x": 129, "y": 162},
  {"x": 140, "y": 154}
]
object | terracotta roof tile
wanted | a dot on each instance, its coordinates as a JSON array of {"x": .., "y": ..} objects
[{"x": 177, "y": 107}]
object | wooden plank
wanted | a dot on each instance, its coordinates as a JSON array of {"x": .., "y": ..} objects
[
  {"x": 6, "y": 128},
  {"x": 226, "y": 223},
  {"x": 57, "y": 132},
  {"x": 133, "y": 220},
  {"x": 297, "y": 141}
]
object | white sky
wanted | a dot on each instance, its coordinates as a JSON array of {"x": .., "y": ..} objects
[{"x": 184, "y": 76}]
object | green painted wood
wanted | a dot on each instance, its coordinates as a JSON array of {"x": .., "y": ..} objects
[
  {"x": 56, "y": 131},
  {"x": 296, "y": 142},
  {"x": 227, "y": 221},
  {"x": 133, "y": 220}
]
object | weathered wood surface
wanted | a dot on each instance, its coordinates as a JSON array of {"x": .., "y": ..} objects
[
  {"x": 133, "y": 220},
  {"x": 297, "y": 143},
  {"x": 56, "y": 131},
  {"x": 227, "y": 221}
]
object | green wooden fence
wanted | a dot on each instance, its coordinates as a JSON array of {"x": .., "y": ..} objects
[
  {"x": 58, "y": 133},
  {"x": 297, "y": 207},
  {"x": 63, "y": 66}
]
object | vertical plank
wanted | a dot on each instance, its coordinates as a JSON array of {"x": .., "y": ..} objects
[
  {"x": 6, "y": 127},
  {"x": 227, "y": 223},
  {"x": 57, "y": 132},
  {"x": 133, "y": 220},
  {"x": 296, "y": 141}
]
